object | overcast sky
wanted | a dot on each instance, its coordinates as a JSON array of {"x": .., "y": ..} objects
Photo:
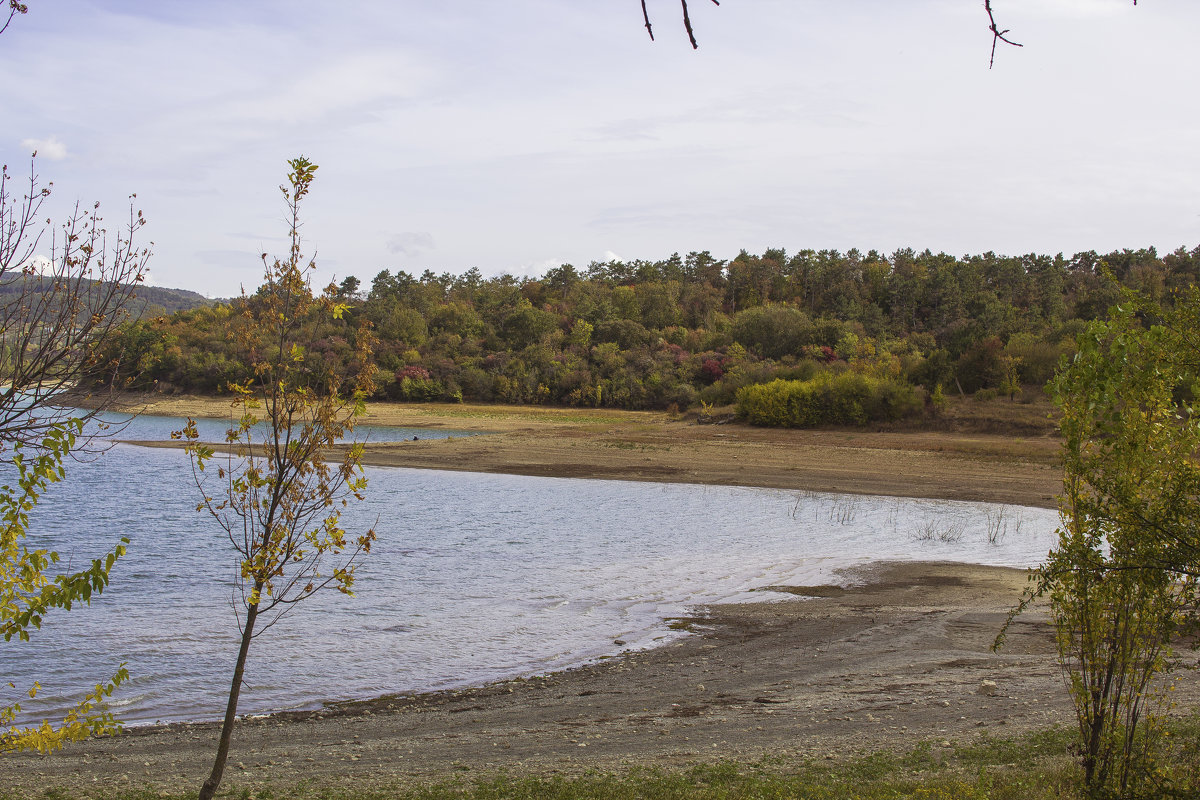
[{"x": 516, "y": 136}]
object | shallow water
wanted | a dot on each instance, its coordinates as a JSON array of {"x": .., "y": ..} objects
[
  {"x": 153, "y": 428},
  {"x": 474, "y": 578}
]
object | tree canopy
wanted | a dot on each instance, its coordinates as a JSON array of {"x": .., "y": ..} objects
[{"x": 688, "y": 328}]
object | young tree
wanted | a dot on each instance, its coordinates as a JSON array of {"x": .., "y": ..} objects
[
  {"x": 62, "y": 291},
  {"x": 1122, "y": 580},
  {"x": 284, "y": 480}
]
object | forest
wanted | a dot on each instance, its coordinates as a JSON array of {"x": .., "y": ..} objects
[{"x": 793, "y": 339}]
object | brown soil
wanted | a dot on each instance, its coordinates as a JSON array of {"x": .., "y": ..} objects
[{"x": 961, "y": 464}]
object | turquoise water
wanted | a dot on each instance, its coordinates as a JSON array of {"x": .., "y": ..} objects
[{"x": 474, "y": 578}]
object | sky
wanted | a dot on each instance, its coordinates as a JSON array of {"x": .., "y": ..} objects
[{"x": 517, "y": 136}]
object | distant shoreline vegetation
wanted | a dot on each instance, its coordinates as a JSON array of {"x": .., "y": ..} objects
[
  {"x": 871, "y": 336},
  {"x": 148, "y": 301}
]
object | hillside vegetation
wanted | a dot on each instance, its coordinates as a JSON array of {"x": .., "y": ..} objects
[
  {"x": 148, "y": 301},
  {"x": 688, "y": 330}
]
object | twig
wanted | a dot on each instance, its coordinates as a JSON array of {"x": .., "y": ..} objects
[
  {"x": 14, "y": 8},
  {"x": 1000, "y": 35},
  {"x": 646, "y": 16},
  {"x": 687, "y": 21}
]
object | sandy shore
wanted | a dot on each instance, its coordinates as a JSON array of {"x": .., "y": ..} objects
[
  {"x": 897, "y": 657},
  {"x": 601, "y": 443}
]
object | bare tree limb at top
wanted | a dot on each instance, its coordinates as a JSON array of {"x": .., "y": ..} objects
[
  {"x": 1000, "y": 35},
  {"x": 997, "y": 34},
  {"x": 687, "y": 22}
]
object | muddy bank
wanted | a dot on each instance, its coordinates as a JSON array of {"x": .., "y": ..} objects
[{"x": 601, "y": 443}]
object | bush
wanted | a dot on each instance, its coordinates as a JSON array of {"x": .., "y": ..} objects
[
  {"x": 773, "y": 331},
  {"x": 846, "y": 399}
]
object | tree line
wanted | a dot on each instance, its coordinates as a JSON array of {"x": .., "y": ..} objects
[{"x": 683, "y": 330}]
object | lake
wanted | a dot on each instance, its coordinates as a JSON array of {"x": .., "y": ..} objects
[{"x": 474, "y": 577}]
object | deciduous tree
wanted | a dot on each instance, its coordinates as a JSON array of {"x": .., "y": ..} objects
[
  {"x": 62, "y": 291},
  {"x": 1122, "y": 580},
  {"x": 282, "y": 481}
]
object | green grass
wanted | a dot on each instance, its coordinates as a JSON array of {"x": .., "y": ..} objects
[{"x": 1033, "y": 767}]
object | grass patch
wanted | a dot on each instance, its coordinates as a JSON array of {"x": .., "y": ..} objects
[
  {"x": 1036, "y": 766},
  {"x": 621, "y": 444}
]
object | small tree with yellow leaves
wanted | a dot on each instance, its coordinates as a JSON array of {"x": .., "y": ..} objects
[
  {"x": 27, "y": 593},
  {"x": 1124, "y": 580},
  {"x": 284, "y": 475},
  {"x": 58, "y": 310}
]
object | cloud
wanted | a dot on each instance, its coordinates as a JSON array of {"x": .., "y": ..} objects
[
  {"x": 536, "y": 269},
  {"x": 39, "y": 265},
  {"x": 410, "y": 243},
  {"x": 50, "y": 148}
]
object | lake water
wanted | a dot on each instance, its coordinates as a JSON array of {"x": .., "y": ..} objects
[{"x": 474, "y": 577}]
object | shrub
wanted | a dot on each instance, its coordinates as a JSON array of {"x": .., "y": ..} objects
[{"x": 847, "y": 399}]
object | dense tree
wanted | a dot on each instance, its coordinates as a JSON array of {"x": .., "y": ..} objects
[{"x": 985, "y": 322}]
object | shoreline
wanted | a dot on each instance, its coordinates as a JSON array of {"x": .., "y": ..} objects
[
  {"x": 898, "y": 656},
  {"x": 653, "y": 446}
]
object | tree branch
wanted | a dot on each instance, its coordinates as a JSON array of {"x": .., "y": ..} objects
[
  {"x": 14, "y": 8},
  {"x": 999, "y": 35},
  {"x": 646, "y": 17},
  {"x": 687, "y": 22}
]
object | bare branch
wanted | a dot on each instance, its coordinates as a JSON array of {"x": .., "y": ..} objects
[
  {"x": 62, "y": 292},
  {"x": 687, "y": 22},
  {"x": 999, "y": 35}
]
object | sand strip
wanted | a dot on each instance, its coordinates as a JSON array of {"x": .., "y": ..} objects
[{"x": 648, "y": 446}]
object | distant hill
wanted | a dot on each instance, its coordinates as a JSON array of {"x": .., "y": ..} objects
[
  {"x": 150, "y": 301},
  {"x": 153, "y": 301}
]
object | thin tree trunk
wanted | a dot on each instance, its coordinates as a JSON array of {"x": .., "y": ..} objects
[{"x": 214, "y": 780}]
